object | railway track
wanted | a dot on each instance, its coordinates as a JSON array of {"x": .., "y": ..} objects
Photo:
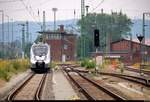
[
  {"x": 137, "y": 70},
  {"x": 90, "y": 88},
  {"x": 137, "y": 83},
  {"x": 30, "y": 89},
  {"x": 140, "y": 80}
]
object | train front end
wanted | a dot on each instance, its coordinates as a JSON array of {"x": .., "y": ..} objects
[{"x": 40, "y": 57}]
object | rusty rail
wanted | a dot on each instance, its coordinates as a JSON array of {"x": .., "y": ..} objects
[{"x": 114, "y": 95}]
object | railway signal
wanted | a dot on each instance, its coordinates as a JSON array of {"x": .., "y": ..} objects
[
  {"x": 96, "y": 38},
  {"x": 140, "y": 38},
  {"x": 96, "y": 44}
]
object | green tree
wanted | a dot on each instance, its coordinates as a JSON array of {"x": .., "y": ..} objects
[{"x": 112, "y": 27}]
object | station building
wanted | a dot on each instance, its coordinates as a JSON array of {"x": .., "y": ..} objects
[
  {"x": 62, "y": 44},
  {"x": 133, "y": 53},
  {"x": 128, "y": 50}
]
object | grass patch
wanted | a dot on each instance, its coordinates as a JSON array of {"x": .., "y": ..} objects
[
  {"x": 105, "y": 64},
  {"x": 52, "y": 65},
  {"x": 8, "y": 68},
  {"x": 136, "y": 65}
]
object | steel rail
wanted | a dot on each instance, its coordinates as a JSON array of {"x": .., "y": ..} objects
[
  {"x": 140, "y": 80},
  {"x": 114, "y": 95},
  {"x": 40, "y": 88},
  {"x": 137, "y": 70},
  {"x": 16, "y": 90},
  {"x": 128, "y": 77},
  {"x": 84, "y": 91}
]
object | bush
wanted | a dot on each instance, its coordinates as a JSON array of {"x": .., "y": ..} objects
[
  {"x": 88, "y": 63},
  {"x": 84, "y": 62},
  {"x": 91, "y": 64}
]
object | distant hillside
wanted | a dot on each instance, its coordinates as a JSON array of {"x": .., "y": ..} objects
[{"x": 70, "y": 25}]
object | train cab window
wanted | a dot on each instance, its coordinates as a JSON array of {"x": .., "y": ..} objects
[{"x": 40, "y": 50}]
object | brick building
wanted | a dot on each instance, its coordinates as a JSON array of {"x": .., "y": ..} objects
[
  {"x": 131, "y": 50},
  {"x": 128, "y": 50},
  {"x": 62, "y": 44}
]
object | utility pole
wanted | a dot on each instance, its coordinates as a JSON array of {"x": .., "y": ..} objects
[
  {"x": 82, "y": 35},
  {"x": 44, "y": 26},
  {"x": 54, "y": 10},
  {"x": 27, "y": 32},
  {"x": 82, "y": 8},
  {"x": 8, "y": 36},
  {"x": 8, "y": 28},
  {"x": 23, "y": 39},
  {"x": 3, "y": 33},
  {"x": 103, "y": 33},
  {"x": 110, "y": 37},
  {"x": 27, "y": 39},
  {"x": 12, "y": 32},
  {"x": 39, "y": 20},
  {"x": 85, "y": 50},
  {"x": 87, "y": 9},
  {"x": 74, "y": 15},
  {"x": 143, "y": 30},
  {"x": 12, "y": 38}
]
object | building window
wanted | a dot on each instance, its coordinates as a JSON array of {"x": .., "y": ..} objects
[
  {"x": 54, "y": 36},
  {"x": 68, "y": 57},
  {"x": 65, "y": 47}
]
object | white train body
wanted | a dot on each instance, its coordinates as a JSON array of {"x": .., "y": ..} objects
[{"x": 40, "y": 57}]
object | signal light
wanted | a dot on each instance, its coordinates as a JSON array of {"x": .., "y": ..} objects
[{"x": 96, "y": 38}]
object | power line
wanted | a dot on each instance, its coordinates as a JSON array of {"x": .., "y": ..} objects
[
  {"x": 34, "y": 14},
  {"x": 43, "y": 3},
  {"x": 97, "y": 5},
  {"x": 26, "y": 7},
  {"x": 8, "y": 1}
]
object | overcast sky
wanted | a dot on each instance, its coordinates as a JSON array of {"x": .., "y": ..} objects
[{"x": 20, "y": 9}]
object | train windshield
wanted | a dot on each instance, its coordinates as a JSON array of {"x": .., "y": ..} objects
[{"x": 40, "y": 50}]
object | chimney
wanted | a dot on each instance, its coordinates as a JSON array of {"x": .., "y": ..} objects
[{"x": 61, "y": 28}]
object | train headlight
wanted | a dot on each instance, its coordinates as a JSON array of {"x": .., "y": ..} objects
[{"x": 33, "y": 61}]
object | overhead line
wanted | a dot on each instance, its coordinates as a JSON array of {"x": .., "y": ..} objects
[
  {"x": 4, "y": 1},
  {"x": 26, "y": 7},
  {"x": 97, "y": 6}
]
